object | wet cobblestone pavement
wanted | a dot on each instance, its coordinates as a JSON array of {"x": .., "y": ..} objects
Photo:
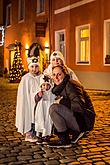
[{"x": 91, "y": 150}]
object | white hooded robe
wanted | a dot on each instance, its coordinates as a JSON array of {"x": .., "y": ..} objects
[
  {"x": 43, "y": 122},
  {"x": 27, "y": 89}
]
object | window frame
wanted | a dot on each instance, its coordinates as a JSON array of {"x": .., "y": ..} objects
[
  {"x": 8, "y": 17},
  {"x": 106, "y": 52},
  {"x": 20, "y": 16},
  {"x": 38, "y": 9},
  {"x": 78, "y": 43},
  {"x": 57, "y": 44}
]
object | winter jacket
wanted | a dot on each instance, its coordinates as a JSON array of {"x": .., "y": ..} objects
[{"x": 74, "y": 96}]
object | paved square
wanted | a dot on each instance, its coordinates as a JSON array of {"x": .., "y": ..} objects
[{"x": 91, "y": 150}]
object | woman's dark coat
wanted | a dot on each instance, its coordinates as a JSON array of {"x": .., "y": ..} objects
[{"x": 78, "y": 101}]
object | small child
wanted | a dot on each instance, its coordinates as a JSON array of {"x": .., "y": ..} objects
[
  {"x": 44, "y": 99},
  {"x": 27, "y": 90}
]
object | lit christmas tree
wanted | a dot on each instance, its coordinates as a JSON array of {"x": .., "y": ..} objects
[{"x": 17, "y": 69}]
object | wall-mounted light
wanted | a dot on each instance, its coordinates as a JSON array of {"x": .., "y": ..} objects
[
  {"x": 47, "y": 51},
  {"x": 26, "y": 50}
]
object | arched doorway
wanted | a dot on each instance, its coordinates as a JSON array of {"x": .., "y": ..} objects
[{"x": 13, "y": 47}]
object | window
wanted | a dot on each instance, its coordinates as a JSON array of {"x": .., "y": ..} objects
[
  {"x": 83, "y": 44},
  {"x": 8, "y": 15},
  {"x": 107, "y": 42},
  {"x": 40, "y": 6},
  {"x": 60, "y": 42},
  {"x": 21, "y": 10}
]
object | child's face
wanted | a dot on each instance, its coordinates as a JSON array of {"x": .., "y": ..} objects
[
  {"x": 57, "y": 61},
  {"x": 45, "y": 87},
  {"x": 34, "y": 69}
]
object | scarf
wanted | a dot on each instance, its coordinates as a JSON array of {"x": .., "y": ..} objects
[{"x": 57, "y": 89}]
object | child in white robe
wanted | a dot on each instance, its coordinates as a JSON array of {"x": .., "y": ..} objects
[
  {"x": 44, "y": 99},
  {"x": 57, "y": 58},
  {"x": 28, "y": 87}
]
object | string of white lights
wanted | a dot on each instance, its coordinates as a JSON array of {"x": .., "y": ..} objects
[{"x": 2, "y": 31}]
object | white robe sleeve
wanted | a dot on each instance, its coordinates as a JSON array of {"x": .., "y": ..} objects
[{"x": 73, "y": 75}]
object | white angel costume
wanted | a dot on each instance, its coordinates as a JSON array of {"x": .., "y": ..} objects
[
  {"x": 43, "y": 122},
  {"x": 28, "y": 87},
  {"x": 58, "y": 54}
]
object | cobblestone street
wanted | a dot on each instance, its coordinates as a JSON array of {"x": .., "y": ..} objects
[{"x": 91, "y": 150}]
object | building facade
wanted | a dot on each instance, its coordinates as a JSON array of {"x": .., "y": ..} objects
[
  {"x": 1, "y": 37},
  {"x": 80, "y": 29},
  {"x": 27, "y": 24}
]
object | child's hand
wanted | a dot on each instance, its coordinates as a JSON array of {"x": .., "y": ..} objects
[{"x": 40, "y": 93}]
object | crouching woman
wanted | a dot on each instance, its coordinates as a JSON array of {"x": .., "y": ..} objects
[{"x": 74, "y": 113}]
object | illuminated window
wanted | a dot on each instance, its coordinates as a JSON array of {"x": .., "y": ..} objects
[
  {"x": 21, "y": 10},
  {"x": 8, "y": 15},
  {"x": 107, "y": 41},
  {"x": 40, "y": 6},
  {"x": 83, "y": 44}
]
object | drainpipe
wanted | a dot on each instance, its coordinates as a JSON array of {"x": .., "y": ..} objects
[{"x": 50, "y": 24}]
